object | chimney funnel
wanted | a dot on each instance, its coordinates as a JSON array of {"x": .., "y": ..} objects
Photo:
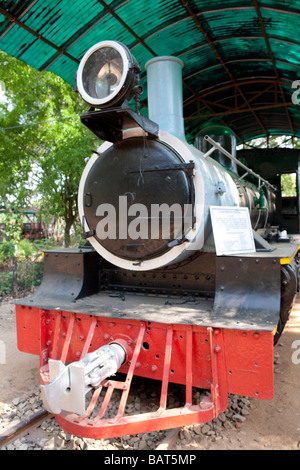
[{"x": 165, "y": 99}]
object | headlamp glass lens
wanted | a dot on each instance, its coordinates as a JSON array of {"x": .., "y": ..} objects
[{"x": 102, "y": 73}]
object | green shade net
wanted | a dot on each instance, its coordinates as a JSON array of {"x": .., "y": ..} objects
[{"x": 240, "y": 57}]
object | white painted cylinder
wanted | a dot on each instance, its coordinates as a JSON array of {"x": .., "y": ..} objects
[{"x": 165, "y": 99}]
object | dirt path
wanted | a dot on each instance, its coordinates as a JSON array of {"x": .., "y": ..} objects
[
  {"x": 271, "y": 424},
  {"x": 19, "y": 373},
  {"x": 275, "y": 424}
]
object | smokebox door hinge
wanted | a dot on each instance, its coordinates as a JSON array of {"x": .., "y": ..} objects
[{"x": 85, "y": 234}]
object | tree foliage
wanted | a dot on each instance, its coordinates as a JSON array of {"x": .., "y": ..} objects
[
  {"x": 289, "y": 185},
  {"x": 42, "y": 141}
]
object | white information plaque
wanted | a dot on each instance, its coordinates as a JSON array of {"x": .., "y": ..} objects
[{"x": 232, "y": 230}]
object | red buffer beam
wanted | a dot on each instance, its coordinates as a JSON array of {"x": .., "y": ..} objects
[{"x": 219, "y": 360}]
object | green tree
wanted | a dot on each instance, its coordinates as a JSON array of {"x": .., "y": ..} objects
[
  {"x": 42, "y": 142},
  {"x": 288, "y": 185},
  {"x": 59, "y": 173}
]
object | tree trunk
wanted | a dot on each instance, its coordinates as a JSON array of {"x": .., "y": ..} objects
[
  {"x": 69, "y": 219},
  {"x": 15, "y": 275},
  {"x": 67, "y": 232}
]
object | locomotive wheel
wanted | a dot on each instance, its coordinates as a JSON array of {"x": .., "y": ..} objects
[{"x": 288, "y": 290}]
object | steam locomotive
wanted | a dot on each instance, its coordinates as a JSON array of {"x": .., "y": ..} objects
[{"x": 149, "y": 293}]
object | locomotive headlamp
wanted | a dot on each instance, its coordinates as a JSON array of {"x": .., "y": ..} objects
[{"x": 107, "y": 75}]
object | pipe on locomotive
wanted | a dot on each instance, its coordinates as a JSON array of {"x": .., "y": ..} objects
[{"x": 165, "y": 100}]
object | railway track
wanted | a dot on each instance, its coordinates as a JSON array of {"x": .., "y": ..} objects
[
  {"x": 40, "y": 429},
  {"x": 16, "y": 430},
  {"x": 30, "y": 427}
]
